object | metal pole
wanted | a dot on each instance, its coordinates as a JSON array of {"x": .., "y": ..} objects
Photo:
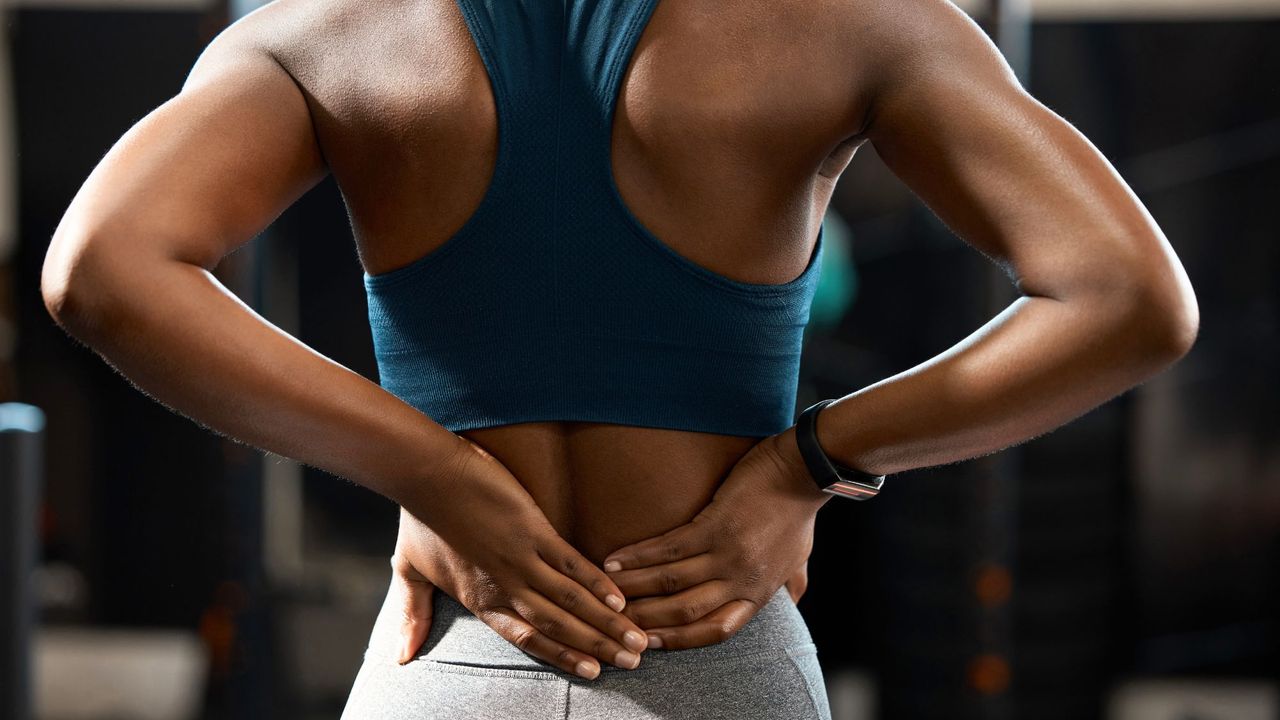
[
  {"x": 1011, "y": 30},
  {"x": 995, "y": 513},
  {"x": 21, "y": 467},
  {"x": 267, "y": 504}
]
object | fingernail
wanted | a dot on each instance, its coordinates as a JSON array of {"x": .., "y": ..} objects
[
  {"x": 654, "y": 642},
  {"x": 612, "y": 566},
  {"x": 404, "y": 651},
  {"x": 615, "y": 602},
  {"x": 633, "y": 640},
  {"x": 587, "y": 670},
  {"x": 626, "y": 659}
]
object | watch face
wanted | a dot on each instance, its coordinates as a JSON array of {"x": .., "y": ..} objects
[
  {"x": 820, "y": 402},
  {"x": 862, "y": 478}
]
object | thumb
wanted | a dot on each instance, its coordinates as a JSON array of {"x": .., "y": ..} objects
[
  {"x": 798, "y": 582},
  {"x": 416, "y": 609}
]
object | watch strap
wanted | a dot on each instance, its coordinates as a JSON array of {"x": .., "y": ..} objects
[{"x": 830, "y": 476}]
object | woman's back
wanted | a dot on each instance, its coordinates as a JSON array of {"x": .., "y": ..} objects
[{"x": 731, "y": 124}]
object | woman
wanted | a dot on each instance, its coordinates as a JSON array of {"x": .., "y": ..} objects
[{"x": 590, "y": 232}]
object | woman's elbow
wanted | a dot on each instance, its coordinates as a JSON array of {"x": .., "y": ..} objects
[
  {"x": 1184, "y": 323},
  {"x": 1167, "y": 316},
  {"x": 74, "y": 282},
  {"x": 58, "y": 276}
]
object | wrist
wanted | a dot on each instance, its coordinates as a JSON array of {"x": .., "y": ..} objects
[
  {"x": 828, "y": 474},
  {"x": 796, "y": 472},
  {"x": 442, "y": 462},
  {"x": 842, "y": 448}
]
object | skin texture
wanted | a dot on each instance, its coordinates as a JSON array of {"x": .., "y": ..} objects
[{"x": 728, "y": 139}]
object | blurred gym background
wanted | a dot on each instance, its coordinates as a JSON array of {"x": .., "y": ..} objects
[{"x": 1125, "y": 567}]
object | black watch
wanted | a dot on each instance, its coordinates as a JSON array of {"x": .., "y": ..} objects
[{"x": 831, "y": 478}]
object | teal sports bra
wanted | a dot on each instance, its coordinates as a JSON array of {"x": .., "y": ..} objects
[{"x": 553, "y": 301}]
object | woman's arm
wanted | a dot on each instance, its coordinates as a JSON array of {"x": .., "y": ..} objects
[
  {"x": 128, "y": 273},
  {"x": 1105, "y": 305}
]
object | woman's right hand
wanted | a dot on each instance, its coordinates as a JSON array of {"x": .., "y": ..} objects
[{"x": 485, "y": 542}]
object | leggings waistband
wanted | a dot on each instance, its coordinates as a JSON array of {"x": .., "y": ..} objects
[{"x": 459, "y": 637}]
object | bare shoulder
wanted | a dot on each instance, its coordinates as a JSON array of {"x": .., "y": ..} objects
[
  {"x": 279, "y": 29},
  {"x": 337, "y": 43},
  {"x": 862, "y": 48},
  {"x": 901, "y": 41},
  {"x": 366, "y": 68}
]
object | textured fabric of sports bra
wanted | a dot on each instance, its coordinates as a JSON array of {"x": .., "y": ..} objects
[{"x": 553, "y": 301}]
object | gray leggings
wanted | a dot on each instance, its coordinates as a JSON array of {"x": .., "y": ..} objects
[{"x": 466, "y": 671}]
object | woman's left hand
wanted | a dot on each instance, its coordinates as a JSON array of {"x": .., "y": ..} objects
[{"x": 714, "y": 574}]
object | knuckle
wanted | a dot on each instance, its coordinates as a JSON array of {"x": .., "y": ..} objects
[
  {"x": 745, "y": 547},
  {"x": 671, "y": 551},
  {"x": 565, "y": 658},
  {"x": 736, "y": 553},
  {"x": 524, "y": 553},
  {"x": 639, "y": 617},
  {"x": 601, "y": 648},
  {"x": 569, "y": 599},
  {"x": 550, "y": 626},
  {"x": 569, "y": 564},
  {"x": 723, "y": 631},
  {"x": 599, "y": 586},
  {"x": 477, "y": 595},
  {"x": 687, "y": 612},
  {"x": 731, "y": 525},
  {"x": 668, "y": 582},
  {"x": 470, "y": 600},
  {"x": 523, "y": 638},
  {"x": 744, "y": 557}
]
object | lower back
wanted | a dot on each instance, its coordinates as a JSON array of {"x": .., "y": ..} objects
[{"x": 603, "y": 486}]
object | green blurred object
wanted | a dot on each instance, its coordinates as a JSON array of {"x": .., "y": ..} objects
[{"x": 838, "y": 278}]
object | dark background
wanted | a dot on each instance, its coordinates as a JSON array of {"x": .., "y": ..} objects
[{"x": 1139, "y": 541}]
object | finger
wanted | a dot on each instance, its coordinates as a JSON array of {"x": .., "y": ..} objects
[
  {"x": 681, "y": 608},
  {"x": 519, "y": 632},
  {"x": 417, "y": 609},
  {"x": 566, "y": 628},
  {"x": 566, "y": 559},
  {"x": 560, "y": 582},
  {"x": 691, "y": 539},
  {"x": 667, "y": 579},
  {"x": 714, "y": 627}
]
